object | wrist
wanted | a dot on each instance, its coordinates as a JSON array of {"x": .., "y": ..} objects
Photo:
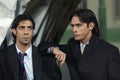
[{"x": 51, "y": 49}]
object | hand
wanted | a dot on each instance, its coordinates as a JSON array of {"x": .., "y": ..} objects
[{"x": 59, "y": 55}]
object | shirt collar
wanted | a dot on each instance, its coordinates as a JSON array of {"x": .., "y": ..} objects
[
  {"x": 28, "y": 51},
  {"x": 81, "y": 44}
]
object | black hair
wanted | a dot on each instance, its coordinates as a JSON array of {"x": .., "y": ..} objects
[
  {"x": 20, "y": 18},
  {"x": 87, "y": 16}
]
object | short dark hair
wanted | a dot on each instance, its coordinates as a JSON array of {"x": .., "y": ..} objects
[
  {"x": 87, "y": 16},
  {"x": 20, "y": 18}
]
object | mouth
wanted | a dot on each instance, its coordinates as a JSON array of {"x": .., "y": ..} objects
[
  {"x": 76, "y": 35},
  {"x": 26, "y": 38}
]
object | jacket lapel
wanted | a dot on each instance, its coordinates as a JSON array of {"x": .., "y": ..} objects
[
  {"x": 76, "y": 53},
  {"x": 37, "y": 64},
  {"x": 88, "y": 54},
  {"x": 13, "y": 61}
]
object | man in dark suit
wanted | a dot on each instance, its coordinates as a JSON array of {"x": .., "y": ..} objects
[
  {"x": 88, "y": 57},
  {"x": 22, "y": 60}
]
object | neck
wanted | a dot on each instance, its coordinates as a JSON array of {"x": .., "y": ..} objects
[
  {"x": 22, "y": 48},
  {"x": 87, "y": 39}
]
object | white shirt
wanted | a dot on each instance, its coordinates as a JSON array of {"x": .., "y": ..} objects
[
  {"x": 82, "y": 46},
  {"x": 28, "y": 62}
]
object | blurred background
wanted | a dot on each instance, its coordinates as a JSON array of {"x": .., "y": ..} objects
[{"x": 51, "y": 18}]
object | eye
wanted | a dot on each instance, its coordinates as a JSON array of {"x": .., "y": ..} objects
[
  {"x": 72, "y": 25},
  {"x": 21, "y": 27},
  {"x": 30, "y": 27}
]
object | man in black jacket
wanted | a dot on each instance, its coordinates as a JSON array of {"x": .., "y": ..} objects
[
  {"x": 88, "y": 57},
  {"x": 31, "y": 65}
]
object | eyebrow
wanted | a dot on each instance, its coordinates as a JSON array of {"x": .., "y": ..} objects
[{"x": 77, "y": 24}]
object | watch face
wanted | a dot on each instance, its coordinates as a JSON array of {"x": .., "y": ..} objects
[{"x": 49, "y": 50}]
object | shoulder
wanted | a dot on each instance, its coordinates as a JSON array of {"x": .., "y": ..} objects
[
  {"x": 43, "y": 46},
  {"x": 34, "y": 47},
  {"x": 3, "y": 53},
  {"x": 72, "y": 41},
  {"x": 7, "y": 49},
  {"x": 105, "y": 47},
  {"x": 106, "y": 44}
]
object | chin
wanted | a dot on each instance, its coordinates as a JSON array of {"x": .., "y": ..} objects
[
  {"x": 25, "y": 43},
  {"x": 78, "y": 39}
]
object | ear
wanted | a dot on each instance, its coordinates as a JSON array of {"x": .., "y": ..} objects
[
  {"x": 14, "y": 31},
  {"x": 91, "y": 25}
]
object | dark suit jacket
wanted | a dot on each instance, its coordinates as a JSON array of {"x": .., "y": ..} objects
[
  {"x": 9, "y": 67},
  {"x": 51, "y": 68},
  {"x": 100, "y": 60}
]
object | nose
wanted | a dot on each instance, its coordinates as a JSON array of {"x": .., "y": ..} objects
[
  {"x": 74, "y": 29},
  {"x": 26, "y": 31}
]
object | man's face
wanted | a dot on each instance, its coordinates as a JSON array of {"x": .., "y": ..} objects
[
  {"x": 81, "y": 31},
  {"x": 23, "y": 32}
]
